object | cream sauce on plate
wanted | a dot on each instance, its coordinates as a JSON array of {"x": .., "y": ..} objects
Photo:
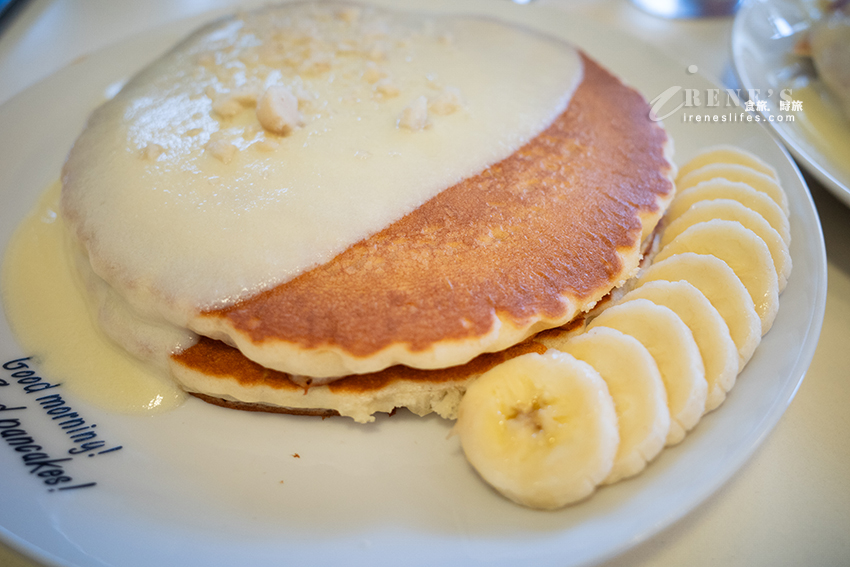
[{"x": 52, "y": 320}]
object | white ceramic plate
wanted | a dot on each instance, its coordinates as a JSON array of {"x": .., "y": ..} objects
[
  {"x": 207, "y": 486},
  {"x": 763, "y": 36}
]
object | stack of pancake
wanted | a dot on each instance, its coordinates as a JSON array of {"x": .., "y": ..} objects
[{"x": 522, "y": 226}]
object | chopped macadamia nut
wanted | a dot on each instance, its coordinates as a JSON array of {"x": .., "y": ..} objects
[
  {"x": 222, "y": 150},
  {"x": 152, "y": 151},
  {"x": 277, "y": 110},
  {"x": 447, "y": 102},
  {"x": 415, "y": 115},
  {"x": 387, "y": 87},
  {"x": 227, "y": 107}
]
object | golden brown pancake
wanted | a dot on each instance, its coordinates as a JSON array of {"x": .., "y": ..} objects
[
  {"x": 528, "y": 244},
  {"x": 226, "y": 378}
]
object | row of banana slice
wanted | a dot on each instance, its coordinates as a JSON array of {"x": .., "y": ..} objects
[{"x": 546, "y": 430}]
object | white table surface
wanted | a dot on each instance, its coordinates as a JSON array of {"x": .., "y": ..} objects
[{"x": 790, "y": 504}]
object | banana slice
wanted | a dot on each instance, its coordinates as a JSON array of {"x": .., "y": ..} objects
[
  {"x": 743, "y": 251},
  {"x": 540, "y": 429},
  {"x": 672, "y": 345},
  {"x": 719, "y": 284},
  {"x": 728, "y": 209},
  {"x": 727, "y": 154},
  {"x": 719, "y": 355},
  {"x": 735, "y": 172},
  {"x": 741, "y": 192},
  {"x": 638, "y": 392}
]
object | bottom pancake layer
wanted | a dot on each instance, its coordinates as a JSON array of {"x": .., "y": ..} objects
[{"x": 219, "y": 374}]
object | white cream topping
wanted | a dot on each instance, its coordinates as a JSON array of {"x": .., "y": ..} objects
[{"x": 200, "y": 184}]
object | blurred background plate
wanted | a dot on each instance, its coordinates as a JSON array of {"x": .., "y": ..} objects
[{"x": 763, "y": 40}]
